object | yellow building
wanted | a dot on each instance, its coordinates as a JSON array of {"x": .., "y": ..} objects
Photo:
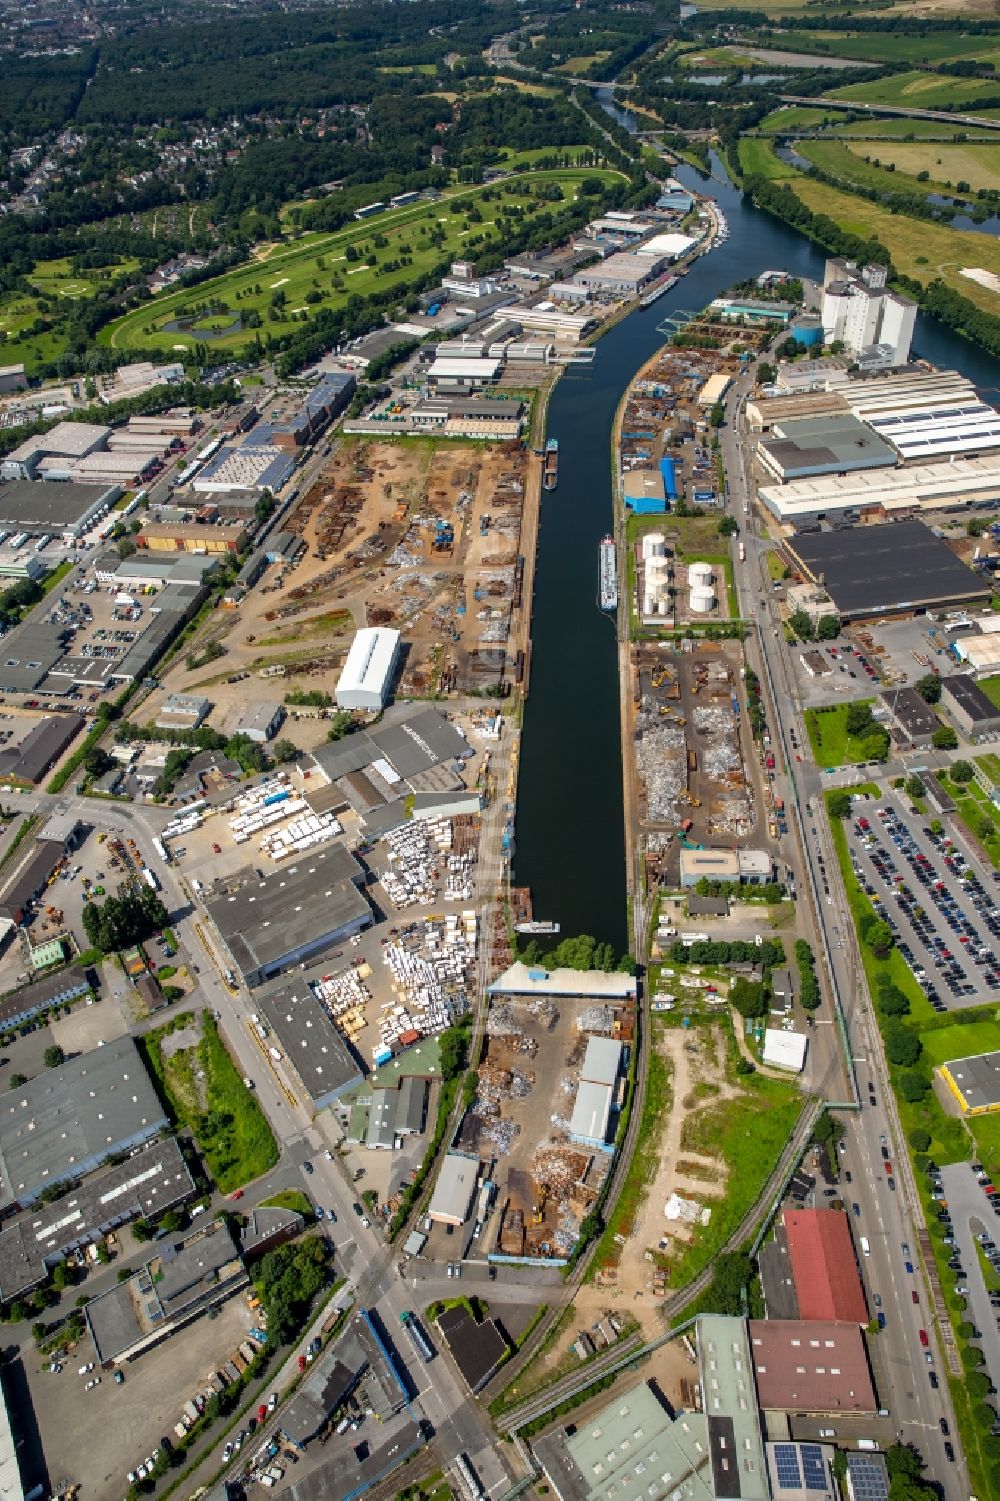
[
  {"x": 189, "y": 536},
  {"x": 975, "y": 1082}
]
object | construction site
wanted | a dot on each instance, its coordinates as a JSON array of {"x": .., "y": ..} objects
[
  {"x": 426, "y": 538},
  {"x": 528, "y": 1082},
  {"x": 692, "y": 750}
]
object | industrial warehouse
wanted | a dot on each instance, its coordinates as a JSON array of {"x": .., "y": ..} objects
[
  {"x": 975, "y": 1082},
  {"x": 899, "y": 568}
]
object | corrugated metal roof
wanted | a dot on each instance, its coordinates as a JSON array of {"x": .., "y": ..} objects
[{"x": 824, "y": 1268}]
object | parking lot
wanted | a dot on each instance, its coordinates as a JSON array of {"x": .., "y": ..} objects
[
  {"x": 969, "y": 1213},
  {"x": 132, "y": 1418},
  {"x": 944, "y": 919}
]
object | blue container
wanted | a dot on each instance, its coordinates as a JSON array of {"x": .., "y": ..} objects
[
  {"x": 807, "y": 331},
  {"x": 668, "y": 469}
]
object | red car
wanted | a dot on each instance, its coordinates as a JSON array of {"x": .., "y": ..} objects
[
  {"x": 914, "y": 1295},
  {"x": 888, "y": 1167},
  {"x": 923, "y": 1337},
  {"x": 237, "y": 1195}
]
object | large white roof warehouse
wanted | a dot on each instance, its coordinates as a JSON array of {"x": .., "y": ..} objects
[
  {"x": 933, "y": 432},
  {"x": 367, "y": 675},
  {"x": 924, "y": 487}
]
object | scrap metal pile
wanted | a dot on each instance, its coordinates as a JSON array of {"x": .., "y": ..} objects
[{"x": 661, "y": 759}]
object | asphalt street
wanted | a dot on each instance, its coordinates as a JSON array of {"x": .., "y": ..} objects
[{"x": 889, "y": 1219}]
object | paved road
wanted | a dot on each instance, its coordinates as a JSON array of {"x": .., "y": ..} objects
[
  {"x": 971, "y": 1215},
  {"x": 888, "y": 1219},
  {"x": 894, "y": 109}
]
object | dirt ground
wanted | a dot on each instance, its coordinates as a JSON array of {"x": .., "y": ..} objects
[
  {"x": 371, "y": 528},
  {"x": 696, "y": 1065}
]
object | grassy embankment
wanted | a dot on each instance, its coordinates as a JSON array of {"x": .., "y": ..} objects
[{"x": 921, "y": 90}]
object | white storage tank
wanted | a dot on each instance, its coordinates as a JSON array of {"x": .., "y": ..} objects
[
  {"x": 700, "y": 575},
  {"x": 657, "y": 573},
  {"x": 702, "y": 601},
  {"x": 654, "y": 545},
  {"x": 650, "y": 603}
]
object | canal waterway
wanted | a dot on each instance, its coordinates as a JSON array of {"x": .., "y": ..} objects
[{"x": 570, "y": 844}]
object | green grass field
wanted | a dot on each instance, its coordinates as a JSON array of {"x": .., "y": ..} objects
[
  {"x": 795, "y": 117},
  {"x": 847, "y": 164},
  {"x": 831, "y": 744},
  {"x": 920, "y": 249},
  {"x": 318, "y": 264},
  {"x": 959, "y": 1041},
  {"x": 757, "y": 158},
  {"x": 899, "y": 127},
  {"x": 888, "y": 47},
  {"x": 990, "y": 763},
  {"x": 922, "y": 90},
  {"x": 206, "y": 1093},
  {"x": 716, "y": 59},
  {"x": 991, "y": 687},
  {"x": 978, "y": 165},
  {"x": 748, "y": 1134},
  {"x": 57, "y": 278}
]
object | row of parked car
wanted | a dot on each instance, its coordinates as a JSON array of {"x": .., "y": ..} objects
[{"x": 947, "y": 956}]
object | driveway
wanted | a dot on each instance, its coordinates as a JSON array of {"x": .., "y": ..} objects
[{"x": 971, "y": 1214}]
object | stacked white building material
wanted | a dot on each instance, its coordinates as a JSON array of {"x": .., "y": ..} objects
[
  {"x": 433, "y": 980},
  {"x": 301, "y": 834},
  {"x": 339, "y": 994}
]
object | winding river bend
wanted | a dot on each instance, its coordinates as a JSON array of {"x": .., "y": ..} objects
[{"x": 570, "y": 845}]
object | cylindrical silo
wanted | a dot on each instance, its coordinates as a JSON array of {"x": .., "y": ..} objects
[
  {"x": 702, "y": 601},
  {"x": 700, "y": 575},
  {"x": 653, "y": 546}
]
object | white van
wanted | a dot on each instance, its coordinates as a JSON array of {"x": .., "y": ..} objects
[{"x": 866, "y": 1249}]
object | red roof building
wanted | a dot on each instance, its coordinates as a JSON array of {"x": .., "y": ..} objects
[
  {"x": 810, "y": 1367},
  {"x": 824, "y": 1266}
]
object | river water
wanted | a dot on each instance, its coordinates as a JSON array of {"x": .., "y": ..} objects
[{"x": 570, "y": 845}]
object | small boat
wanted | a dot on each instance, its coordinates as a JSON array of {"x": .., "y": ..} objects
[
  {"x": 536, "y": 927},
  {"x": 550, "y": 471}
]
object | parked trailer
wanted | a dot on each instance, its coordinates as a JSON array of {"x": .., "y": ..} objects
[
  {"x": 471, "y": 1485},
  {"x": 150, "y": 879},
  {"x": 409, "y": 1322}
]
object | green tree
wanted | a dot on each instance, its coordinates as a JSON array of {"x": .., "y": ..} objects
[
  {"x": 944, "y": 738},
  {"x": 914, "y": 786},
  {"x": 728, "y": 526},
  {"x": 342, "y": 724},
  {"x": 828, "y": 627},
  {"x": 875, "y": 747},
  {"x": 801, "y": 625},
  {"x": 919, "y": 1139},
  {"x": 749, "y": 997},
  {"x": 53, "y": 1056},
  {"x": 913, "y": 1085},
  {"x": 879, "y": 939},
  {"x": 838, "y": 803},
  {"x": 730, "y": 1280},
  {"x": 858, "y": 719},
  {"x": 902, "y": 1045},
  {"x": 962, "y": 772},
  {"x": 929, "y": 688},
  {"x": 97, "y": 761},
  {"x": 285, "y": 751},
  {"x": 16, "y": 1080}
]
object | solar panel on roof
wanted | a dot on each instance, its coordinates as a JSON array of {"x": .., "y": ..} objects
[
  {"x": 786, "y": 1462},
  {"x": 868, "y": 1479},
  {"x": 813, "y": 1469}
]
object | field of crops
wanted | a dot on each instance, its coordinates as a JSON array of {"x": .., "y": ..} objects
[
  {"x": 979, "y": 166},
  {"x": 889, "y": 46}
]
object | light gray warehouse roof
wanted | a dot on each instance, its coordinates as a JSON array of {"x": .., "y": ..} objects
[
  {"x": 69, "y": 1119},
  {"x": 833, "y": 442},
  {"x": 314, "y": 1045},
  {"x": 263, "y": 920},
  {"x": 37, "y": 507},
  {"x": 412, "y": 739},
  {"x": 27, "y": 654}
]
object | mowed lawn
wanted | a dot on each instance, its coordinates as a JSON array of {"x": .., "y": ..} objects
[
  {"x": 922, "y": 90},
  {"x": 831, "y": 744},
  {"x": 317, "y": 267},
  {"x": 979, "y": 166},
  {"x": 757, "y": 159},
  {"x": 991, "y": 687},
  {"x": 795, "y": 117},
  {"x": 942, "y": 1044}
]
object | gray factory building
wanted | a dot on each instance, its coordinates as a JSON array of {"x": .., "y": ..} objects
[
  {"x": 310, "y": 1041},
  {"x": 298, "y": 913},
  {"x": 63, "y": 1124}
]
